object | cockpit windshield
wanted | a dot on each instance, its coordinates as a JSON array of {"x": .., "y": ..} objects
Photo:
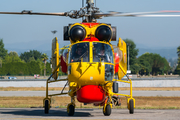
[
  {"x": 79, "y": 51},
  {"x": 102, "y": 52}
]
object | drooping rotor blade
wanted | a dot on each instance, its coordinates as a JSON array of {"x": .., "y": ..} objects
[
  {"x": 139, "y": 14},
  {"x": 34, "y": 13},
  {"x": 157, "y": 16}
]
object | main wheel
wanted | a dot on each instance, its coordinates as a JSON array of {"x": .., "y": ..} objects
[
  {"x": 70, "y": 110},
  {"x": 107, "y": 111},
  {"x": 131, "y": 106},
  {"x": 46, "y": 106}
]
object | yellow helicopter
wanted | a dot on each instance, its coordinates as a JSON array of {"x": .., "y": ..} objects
[{"x": 93, "y": 65}]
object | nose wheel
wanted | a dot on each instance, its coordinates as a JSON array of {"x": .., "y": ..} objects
[
  {"x": 46, "y": 105},
  {"x": 107, "y": 109},
  {"x": 70, "y": 110}
]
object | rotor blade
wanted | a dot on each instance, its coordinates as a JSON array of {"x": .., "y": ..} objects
[
  {"x": 138, "y": 14},
  {"x": 34, "y": 13},
  {"x": 157, "y": 16}
]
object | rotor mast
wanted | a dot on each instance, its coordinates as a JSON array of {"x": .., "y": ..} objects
[{"x": 90, "y": 5}]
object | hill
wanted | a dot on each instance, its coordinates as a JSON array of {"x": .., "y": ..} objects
[{"x": 45, "y": 47}]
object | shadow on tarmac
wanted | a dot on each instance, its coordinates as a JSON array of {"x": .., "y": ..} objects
[{"x": 52, "y": 112}]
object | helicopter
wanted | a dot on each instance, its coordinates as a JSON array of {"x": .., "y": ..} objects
[{"x": 91, "y": 61}]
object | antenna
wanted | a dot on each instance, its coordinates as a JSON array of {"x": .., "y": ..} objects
[{"x": 82, "y": 7}]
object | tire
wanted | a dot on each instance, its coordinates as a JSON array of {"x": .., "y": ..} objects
[
  {"x": 46, "y": 107},
  {"x": 71, "y": 110},
  {"x": 131, "y": 106},
  {"x": 107, "y": 110}
]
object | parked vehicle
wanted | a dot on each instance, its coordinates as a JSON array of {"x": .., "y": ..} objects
[{"x": 12, "y": 77}]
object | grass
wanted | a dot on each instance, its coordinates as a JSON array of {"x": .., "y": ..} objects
[
  {"x": 61, "y": 102},
  {"x": 60, "y": 88},
  {"x": 157, "y": 102}
]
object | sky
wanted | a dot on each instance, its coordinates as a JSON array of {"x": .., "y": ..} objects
[{"x": 28, "y": 31}]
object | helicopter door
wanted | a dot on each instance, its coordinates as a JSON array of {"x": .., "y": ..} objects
[
  {"x": 123, "y": 60},
  {"x": 118, "y": 55}
]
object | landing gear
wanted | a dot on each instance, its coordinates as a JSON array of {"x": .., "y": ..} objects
[
  {"x": 131, "y": 106},
  {"x": 107, "y": 109},
  {"x": 46, "y": 106},
  {"x": 71, "y": 107},
  {"x": 70, "y": 110}
]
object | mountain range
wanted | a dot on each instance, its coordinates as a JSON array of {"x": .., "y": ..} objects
[{"x": 45, "y": 47}]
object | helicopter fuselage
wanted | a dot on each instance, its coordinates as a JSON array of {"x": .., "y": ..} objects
[{"x": 90, "y": 61}]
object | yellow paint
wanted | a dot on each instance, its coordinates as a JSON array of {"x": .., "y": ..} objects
[
  {"x": 91, "y": 73},
  {"x": 55, "y": 56},
  {"x": 123, "y": 64},
  {"x": 86, "y": 73},
  {"x": 72, "y": 84}
]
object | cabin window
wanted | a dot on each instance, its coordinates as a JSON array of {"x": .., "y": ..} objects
[
  {"x": 102, "y": 52},
  {"x": 79, "y": 51}
]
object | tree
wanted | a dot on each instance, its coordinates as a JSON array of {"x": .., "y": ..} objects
[
  {"x": 48, "y": 68},
  {"x": 145, "y": 62},
  {"x": 31, "y": 55},
  {"x": 3, "y": 51},
  {"x": 44, "y": 58},
  {"x": 40, "y": 62},
  {"x": 166, "y": 67},
  {"x": 153, "y": 63},
  {"x": 33, "y": 68},
  {"x": 178, "y": 51},
  {"x": 178, "y": 66},
  {"x": 136, "y": 68},
  {"x": 1, "y": 62},
  {"x": 12, "y": 57},
  {"x": 133, "y": 52}
]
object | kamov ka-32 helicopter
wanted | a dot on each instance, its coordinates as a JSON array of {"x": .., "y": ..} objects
[{"x": 91, "y": 61}]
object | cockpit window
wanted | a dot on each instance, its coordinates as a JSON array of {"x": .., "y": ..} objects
[
  {"x": 103, "y": 52},
  {"x": 79, "y": 51}
]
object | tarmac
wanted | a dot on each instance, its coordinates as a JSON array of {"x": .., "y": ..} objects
[{"x": 85, "y": 114}]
